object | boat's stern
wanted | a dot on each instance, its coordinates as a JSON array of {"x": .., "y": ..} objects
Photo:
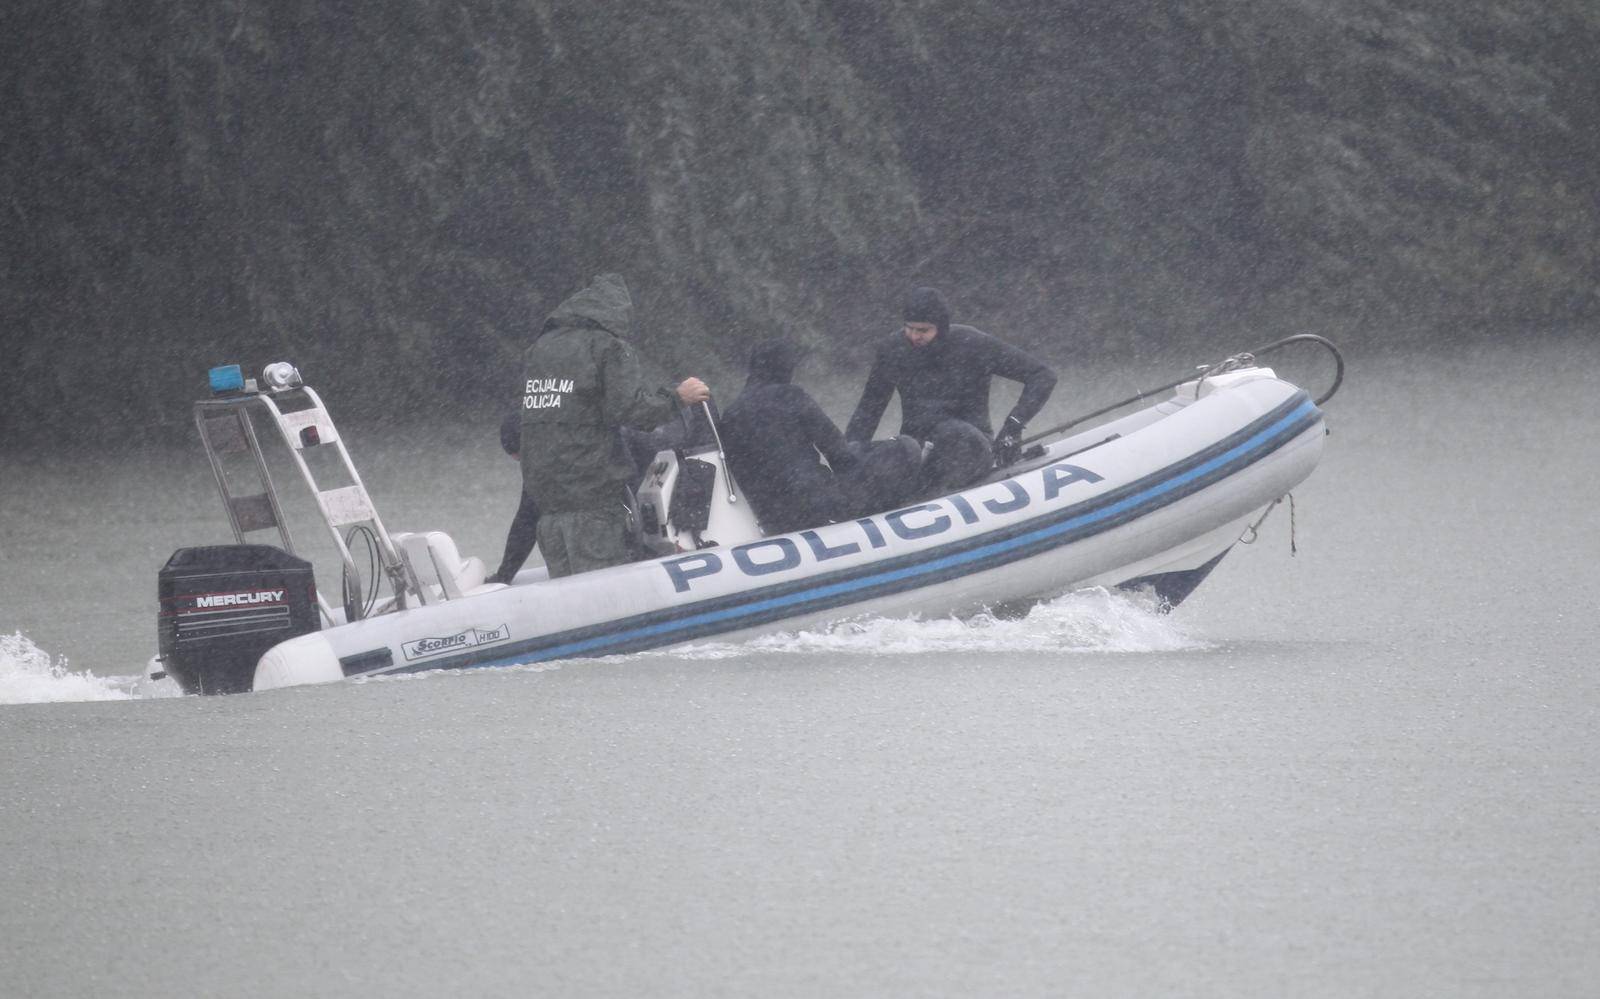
[
  {"x": 297, "y": 662},
  {"x": 222, "y": 606}
]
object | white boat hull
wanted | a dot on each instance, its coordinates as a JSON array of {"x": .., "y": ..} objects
[{"x": 1170, "y": 494}]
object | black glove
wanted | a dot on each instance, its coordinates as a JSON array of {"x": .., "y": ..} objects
[{"x": 1008, "y": 442}]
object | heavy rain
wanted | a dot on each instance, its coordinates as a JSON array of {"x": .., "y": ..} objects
[{"x": 1356, "y": 761}]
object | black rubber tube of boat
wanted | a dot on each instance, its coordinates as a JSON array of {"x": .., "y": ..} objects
[{"x": 1251, "y": 355}]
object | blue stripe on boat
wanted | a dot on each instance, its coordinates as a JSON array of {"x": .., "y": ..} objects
[{"x": 758, "y": 607}]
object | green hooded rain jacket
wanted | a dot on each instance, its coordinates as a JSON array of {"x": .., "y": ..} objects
[{"x": 583, "y": 382}]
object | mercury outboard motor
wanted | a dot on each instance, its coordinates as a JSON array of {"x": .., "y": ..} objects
[{"x": 223, "y": 606}]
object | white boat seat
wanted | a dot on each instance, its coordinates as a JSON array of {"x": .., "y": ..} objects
[{"x": 439, "y": 567}]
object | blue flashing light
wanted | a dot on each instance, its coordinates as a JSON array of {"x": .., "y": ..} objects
[{"x": 227, "y": 378}]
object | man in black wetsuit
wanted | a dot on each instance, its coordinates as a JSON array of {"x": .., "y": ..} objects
[
  {"x": 776, "y": 437},
  {"x": 942, "y": 373}
]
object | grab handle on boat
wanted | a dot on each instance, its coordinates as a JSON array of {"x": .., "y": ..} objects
[
  {"x": 1338, "y": 358},
  {"x": 1338, "y": 379},
  {"x": 727, "y": 474}
]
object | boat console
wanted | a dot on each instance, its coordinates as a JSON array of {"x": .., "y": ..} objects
[{"x": 688, "y": 500}]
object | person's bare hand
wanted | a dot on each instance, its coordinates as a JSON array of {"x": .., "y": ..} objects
[{"x": 692, "y": 391}]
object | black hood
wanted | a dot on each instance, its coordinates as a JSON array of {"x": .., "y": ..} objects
[
  {"x": 603, "y": 304},
  {"x": 927, "y": 305},
  {"x": 772, "y": 362}
]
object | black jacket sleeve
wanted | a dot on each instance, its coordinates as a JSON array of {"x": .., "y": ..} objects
[
  {"x": 874, "y": 400},
  {"x": 628, "y": 397},
  {"x": 1037, "y": 380},
  {"x": 821, "y": 432}
]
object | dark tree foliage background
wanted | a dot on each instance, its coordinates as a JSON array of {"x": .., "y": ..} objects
[{"x": 394, "y": 194}]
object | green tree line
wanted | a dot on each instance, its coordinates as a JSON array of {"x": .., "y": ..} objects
[{"x": 393, "y": 195}]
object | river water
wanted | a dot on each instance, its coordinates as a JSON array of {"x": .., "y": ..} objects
[{"x": 1365, "y": 769}]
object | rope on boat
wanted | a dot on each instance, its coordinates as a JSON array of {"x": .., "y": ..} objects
[
  {"x": 1293, "y": 550},
  {"x": 1233, "y": 362},
  {"x": 1253, "y": 533}
]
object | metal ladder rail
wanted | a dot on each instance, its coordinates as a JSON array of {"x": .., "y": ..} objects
[
  {"x": 237, "y": 415},
  {"x": 347, "y": 504},
  {"x": 236, "y": 408}
]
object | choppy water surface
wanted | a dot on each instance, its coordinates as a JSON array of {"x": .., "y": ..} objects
[{"x": 1368, "y": 769}]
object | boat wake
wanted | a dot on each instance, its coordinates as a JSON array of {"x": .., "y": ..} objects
[
  {"x": 1084, "y": 622},
  {"x": 1087, "y": 621},
  {"x": 30, "y": 675}
]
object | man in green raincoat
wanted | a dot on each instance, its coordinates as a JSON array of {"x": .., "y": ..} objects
[{"x": 583, "y": 383}]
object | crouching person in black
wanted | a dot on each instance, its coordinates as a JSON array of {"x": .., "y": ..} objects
[
  {"x": 776, "y": 437},
  {"x": 942, "y": 372}
]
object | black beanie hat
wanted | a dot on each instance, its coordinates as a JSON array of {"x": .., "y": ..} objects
[
  {"x": 773, "y": 361},
  {"x": 926, "y": 305}
]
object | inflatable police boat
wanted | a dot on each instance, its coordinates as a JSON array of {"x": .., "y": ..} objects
[{"x": 1154, "y": 498}]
